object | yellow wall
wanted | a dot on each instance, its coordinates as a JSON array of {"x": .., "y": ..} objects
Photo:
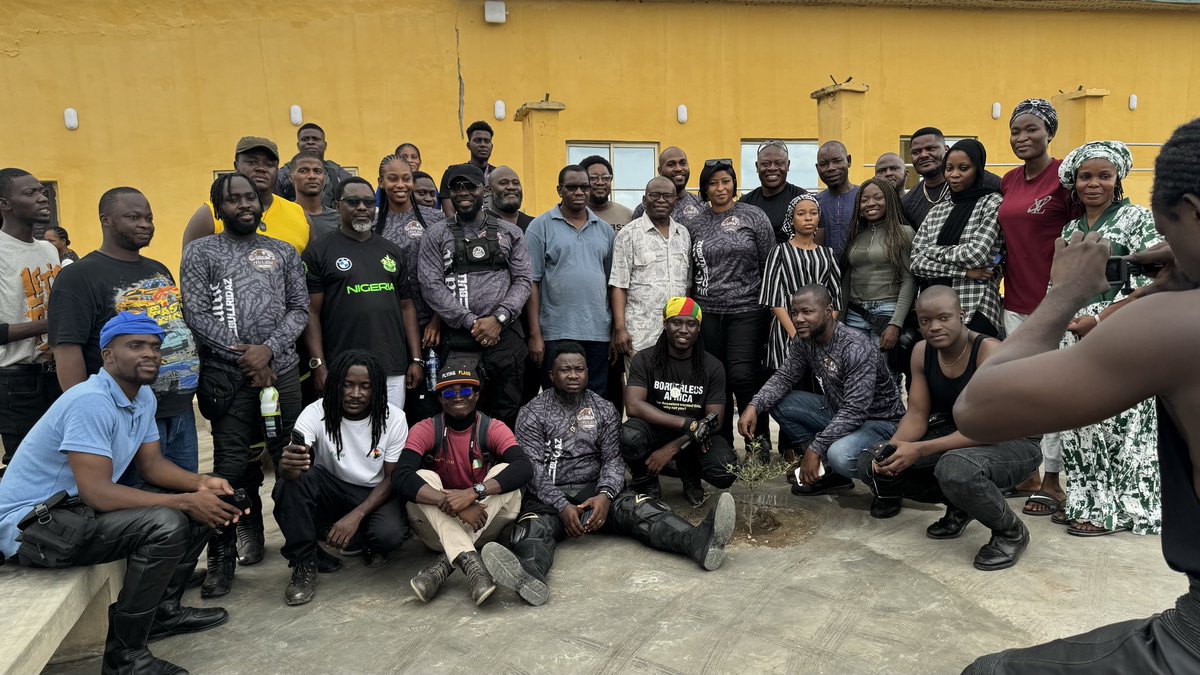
[{"x": 165, "y": 88}]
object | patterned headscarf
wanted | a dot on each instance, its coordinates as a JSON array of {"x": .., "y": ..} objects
[
  {"x": 789, "y": 226},
  {"x": 1113, "y": 151},
  {"x": 682, "y": 307},
  {"x": 1039, "y": 108}
]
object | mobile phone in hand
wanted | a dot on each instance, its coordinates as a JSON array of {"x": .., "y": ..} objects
[{"x": 298, "y": 439}]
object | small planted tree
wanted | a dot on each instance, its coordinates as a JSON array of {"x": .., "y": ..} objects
[{"x": 753, "y": 472}]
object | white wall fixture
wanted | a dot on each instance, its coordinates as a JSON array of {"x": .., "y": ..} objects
[
  {"x": 71, "y": 119},
  {"x": 1133, "y": 101},
  {"x": 499, "y": 110},
  {"x": 681, "y": 113},
  {"x": 296, "y": 115},
  {"x": 494, "y": 11},
  {"x": 996, "y": 110}
]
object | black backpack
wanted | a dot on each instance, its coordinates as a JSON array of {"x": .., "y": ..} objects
[{"x": 482, "y": 422}]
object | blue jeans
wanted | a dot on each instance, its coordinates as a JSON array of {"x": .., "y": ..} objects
[
  {"x": 803, "y": 415},
  {"x": 879, "y": 311},
  {"x": 177, "y": 437}
]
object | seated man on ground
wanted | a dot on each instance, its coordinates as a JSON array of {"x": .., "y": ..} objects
[
  {"x": 672, "y": 386},
  {"x": 462, "y": 474},
  {"x": 70, "y": 462},
  {"x": 342, "y": 474},
  {"x": 571, "y": 435},
  {"x": 860, "y": 406},
  {"x": 933, "y": 461}
]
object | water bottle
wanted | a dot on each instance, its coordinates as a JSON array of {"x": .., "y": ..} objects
[
  {"x": 268, "y": 406},
  {"x": 431, "y": 370}
]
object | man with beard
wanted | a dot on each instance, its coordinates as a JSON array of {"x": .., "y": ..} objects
[
  {"x": 673, "y": 165},
  {"x": 571, "y": 434},
  {"x": 310, "y": 138},
  {"x": 933, "y": 461},
  {"x": 891, "y": 168},
  {"x": 27, "y": 269},
  {"x": 359, "y": 297},
  {"x": 928, "y": 149},
  {"x": 308, "y": 183},
  {"x": 600, "y": 177},
  {"x": 774, "y": 193},
  {"x": 244, "y": 299},
  {"x": 860, "y": 406},
  {"x": 673, "y": 385},
  {"x": 258, "y": 160},
  {"x": 507, "y": 194},
  {"x": 117, "y": 278},
  {"x": 838, "y": 198},
  {"x": 72, "y": 457},
  {"x": 475, "y": 274}
]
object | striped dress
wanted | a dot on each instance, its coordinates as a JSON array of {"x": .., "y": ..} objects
[{"x": 788, "y": 268}]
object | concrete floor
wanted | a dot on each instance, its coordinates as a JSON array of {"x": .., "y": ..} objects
[{"x": 851, "y": 595}]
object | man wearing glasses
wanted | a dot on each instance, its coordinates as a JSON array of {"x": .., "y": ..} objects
[
  {"x": 571, "y": 252},
  {"x": 600, "y": 176},
  {"x": 461, "y": 473},
  {"x": 474, "y": 271},
  {"x": 774, "y": 192}
]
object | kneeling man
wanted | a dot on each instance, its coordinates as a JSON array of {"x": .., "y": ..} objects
[
  {"x": 61, "y": 506},
  {"x": 342, "y": 473},
  {"x": 469, "y": 488},
  {"x": 933, "y": 461},
  {"x": 571, "y": 436}
]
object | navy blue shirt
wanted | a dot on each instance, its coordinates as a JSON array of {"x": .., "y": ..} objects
[{"x": 571, "y": 268}]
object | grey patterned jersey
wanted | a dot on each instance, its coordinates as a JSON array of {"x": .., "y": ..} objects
[
  {"x": 571, "y": 444},
  {"x": 244, "y": 292},
  {"x": 729, "y": 253},
  {"x": 405, "y": 231}
]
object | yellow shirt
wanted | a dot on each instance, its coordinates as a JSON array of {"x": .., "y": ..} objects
[{"x": 283, "y": 220}]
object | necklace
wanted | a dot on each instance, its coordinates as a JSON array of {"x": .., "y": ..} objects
[
  {"x": 941, "y": 195},
  {"x": 960, "y": 354}
]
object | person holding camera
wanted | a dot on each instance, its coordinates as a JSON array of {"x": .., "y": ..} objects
[
  {"x": 61, "y": 505},
  {"x": 577, "y": 485},
  {"x": 929, "y": 460},
  {"x": 461, "y": 473},
  {"x": 338, "y": 470},
  {"x": 860, "y": 406},
  {"x": 675, "y": 399},
  {"x": 1113, "y": 465}
]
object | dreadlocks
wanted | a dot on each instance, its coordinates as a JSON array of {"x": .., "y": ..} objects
[
  {"x": 332, "y": 403},
  {"x": 384, "y": 206},
  {"x": 898, "y": 243},
  {"x": 661, "y": 358},
  {"x": 219, "y": 190}
]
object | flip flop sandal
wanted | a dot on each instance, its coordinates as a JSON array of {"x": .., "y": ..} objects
[
  {"x": 1052, "y": 505},
  {"x": 1075, "y": 530},
  {"x": 1059, "y": 518},
  {"x": 1013, "y": 493}
]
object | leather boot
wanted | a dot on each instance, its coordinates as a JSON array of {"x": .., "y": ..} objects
[
  {"x": 251, "y": 536},
  {"x": 646, "y": 485},
  {"x": 172, "y": 618},
  {"x": 481, "y": 583},
  {"x": 125, "y": 651},
  {"x": 1004, "y": 549},
  {"x": 327, "y": 563},
  {"x": 222, "y": 562},
  {"x": 711, "y": 536},
  {"x": 693, "y": 492},
  {"x": 303, "y": 584},
  {"x": 508, "y": 572},
  {"x": 949, "y": 526},
  {"x": 653, "y": 523},
  {"x": 428, "y": 581}
]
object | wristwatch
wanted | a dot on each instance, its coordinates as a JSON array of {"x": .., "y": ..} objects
[
  {"x": 480, "y": 491},
  {"x": 418, "y": 361},
  {"x": 608, "y": 493},
  {"x": 315, "y": 362},
  {"x": 502, "y": 317}
]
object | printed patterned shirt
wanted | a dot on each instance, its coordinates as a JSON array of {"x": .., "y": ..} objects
[
  {"x": 405, "y": 231},
  {"x": 853, "y": 375},
  {"x": 652, "y": 270},
  {"x": 729, "y": 252},
  {"x": 244, "y": 292},
  {"x": 571, "y": 444},
  {"x": 687, "y": 206}
]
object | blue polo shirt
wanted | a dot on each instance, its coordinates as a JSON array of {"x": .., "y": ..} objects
[
  {"x": 571, "y": 268},
  {"x": 93, "y": 417}
]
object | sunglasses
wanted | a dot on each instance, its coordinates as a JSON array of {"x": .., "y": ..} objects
[
  {"x": 355, "y": 202},
  {"x": 463, "y": 392},
  {"x": 719, "y": 162}
]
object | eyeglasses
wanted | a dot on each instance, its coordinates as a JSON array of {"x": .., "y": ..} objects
[
  {"x": 463, "y": 186},
  {"x": 773, "y": 144},
  {"x": 575, "y": 188},
  {"x": 660, "y": 196},
  {"x": 463, "y": 392},
  {"x": 600, "y": 179},
  {"x": 355, "y": 202},
  {"x": 710, "y": 163}
]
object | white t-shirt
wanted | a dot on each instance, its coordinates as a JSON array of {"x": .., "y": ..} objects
[
  {"x": 359, "y": 463},
  {"x": 27, "y": 271}
]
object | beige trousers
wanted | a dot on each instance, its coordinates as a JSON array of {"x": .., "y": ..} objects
[{"x": 441, "y": 532}]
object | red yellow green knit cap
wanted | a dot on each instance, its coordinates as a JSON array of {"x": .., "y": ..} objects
[{"x": 682, "y": 307}]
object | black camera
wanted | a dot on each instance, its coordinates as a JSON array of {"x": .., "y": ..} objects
[
  {"x": 238, "y": 500},
  {"x": 1119, "y": 271},
  {"x": 881, "y": 451}
]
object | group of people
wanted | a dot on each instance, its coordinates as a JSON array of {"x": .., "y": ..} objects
[{"x": 425, "y": 358}]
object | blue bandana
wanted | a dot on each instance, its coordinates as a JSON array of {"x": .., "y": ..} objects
[{"x": 129, "y": 323}]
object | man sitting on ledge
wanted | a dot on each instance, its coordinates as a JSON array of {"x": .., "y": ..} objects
[
  {"x": 70, "y": 463},
  {"x": 933, "y": 461}
]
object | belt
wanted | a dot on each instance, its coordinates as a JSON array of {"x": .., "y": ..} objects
[{"x": 28, "y": 368}]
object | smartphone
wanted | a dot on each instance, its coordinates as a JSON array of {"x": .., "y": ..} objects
[{"x": 298, "y": 439}]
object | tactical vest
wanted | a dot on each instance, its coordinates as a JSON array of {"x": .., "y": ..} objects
[{"x": 482, "y": 254}]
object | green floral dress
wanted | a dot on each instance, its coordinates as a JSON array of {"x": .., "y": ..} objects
[{"x": 1112, "y": 466}]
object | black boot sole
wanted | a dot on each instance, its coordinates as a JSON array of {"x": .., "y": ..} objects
[
  {"x": 947, "y": 537},
  {"x": 724, "y": 519},
  {"x": 154, "y": 637},
  {"x": 507, "y": 571}
]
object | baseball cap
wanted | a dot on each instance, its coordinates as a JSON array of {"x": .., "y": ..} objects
[
  {"x": 467, "y": 171},
  {"x": 248, "y": 143},
  {"x": 456, "y": 375}
]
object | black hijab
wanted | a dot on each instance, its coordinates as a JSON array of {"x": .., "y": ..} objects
[{"x": 964, "y": 202}]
